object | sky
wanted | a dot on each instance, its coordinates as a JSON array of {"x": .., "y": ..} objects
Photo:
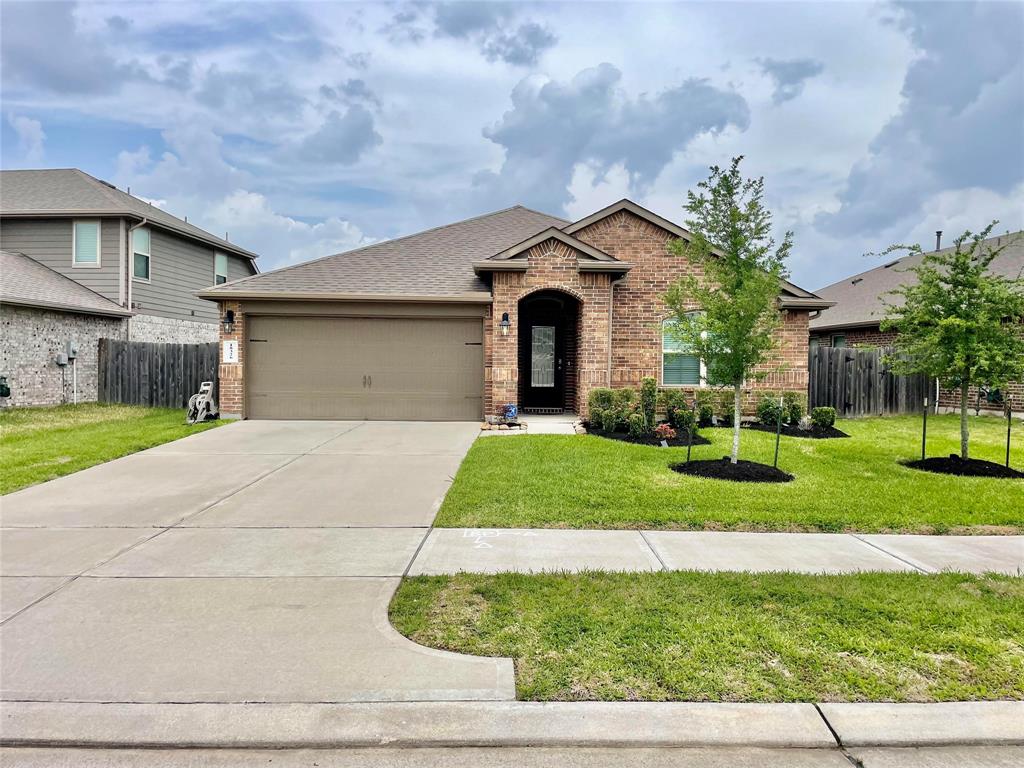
[{"x": 305, "y": 129}]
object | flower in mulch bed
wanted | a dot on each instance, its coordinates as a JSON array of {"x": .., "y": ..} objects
[
  {"x": 954, "y": 465},
  {"x": 815, "y": 432},
  {"x": 679, "y": 441},
  {"x": 741, "y": 471}
]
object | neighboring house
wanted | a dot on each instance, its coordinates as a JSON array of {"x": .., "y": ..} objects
[
  {"x": 139, "y": 266},
  {"x": 860, "y": 305},
  {"x": 456, "y": 322}
]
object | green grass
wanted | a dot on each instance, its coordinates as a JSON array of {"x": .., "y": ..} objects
[
  {"x": 39, "y": 444},
  {"x": 731, "y": 636},
  {"x": 848, "y": 484}
]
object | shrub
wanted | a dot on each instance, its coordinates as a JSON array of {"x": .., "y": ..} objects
[
  {"x": 823, "y": 416},
  {"x": 600, "y": 398},
  {"x": 682, "y": 419},
  {"x": 794, "y": 406},
  {"x": 665, "y": 432},
  {"x": 638, "y": 425},
  {"x": 705, "y": 408},
  {"x": 597, "y": 415},
  {"x": 649, "y": 400},
  {"x": 724, "y": 407},
  {"x": 609, "y": 419},
  {"x": 769, "y": 410},
  {"x": 624, "y": 396}
]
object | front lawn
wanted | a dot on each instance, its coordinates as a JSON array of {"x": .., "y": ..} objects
[
  {"x": 39, "y": 444},
  {"x": 731, "y": 636},
  {"x": 847, "y": 484}
]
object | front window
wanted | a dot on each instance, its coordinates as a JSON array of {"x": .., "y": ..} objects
[
  {"x": 680, "y": 367},
  {"x": 86, "y": 244},
  {"x": 140, "y": 253},
  {"x": 220, "y": 267}
]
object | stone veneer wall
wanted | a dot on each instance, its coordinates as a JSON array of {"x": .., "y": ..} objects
[
  {"x": 31, "y": 339},
  {"x": 639, "y": 310},
  {"x": 169, "y": 330}
]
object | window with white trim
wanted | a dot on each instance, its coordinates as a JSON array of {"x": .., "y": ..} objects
[
  {"x": 141, "y": 253},
  {"x": 85, "y": 244},
  {"x": 679, "y": 366},
  {"x": 220, "y": 267}
]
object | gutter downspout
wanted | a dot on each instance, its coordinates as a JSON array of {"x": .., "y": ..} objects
[{"x": 129, "y": 267}]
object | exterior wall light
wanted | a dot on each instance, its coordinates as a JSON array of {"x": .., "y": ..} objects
[
  {"x": 229, "y": 321},
  {"x": 505, "y": 324}
]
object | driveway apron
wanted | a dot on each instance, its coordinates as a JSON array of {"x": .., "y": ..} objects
[{"x": 251, "y": 563}]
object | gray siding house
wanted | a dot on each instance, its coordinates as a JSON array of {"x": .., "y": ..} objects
[{"x": 141, "y": 261}]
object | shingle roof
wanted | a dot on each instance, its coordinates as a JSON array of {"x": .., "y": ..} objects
[
  {"x": 860, "y": 299},
  {"x": 26, "y": 282},
  {"x": 437, "y": 262},
  {"x": 70, "y": 192}
]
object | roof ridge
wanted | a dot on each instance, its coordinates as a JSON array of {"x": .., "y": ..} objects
[
  {"x": 104, "y": 189},
  {"x": 389, "y": 240}
]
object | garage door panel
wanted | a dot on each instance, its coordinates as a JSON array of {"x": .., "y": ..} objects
[{"x": 364, "y": 368}]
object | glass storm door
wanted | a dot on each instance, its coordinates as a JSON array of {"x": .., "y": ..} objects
[{"x": 545, "y": 389}]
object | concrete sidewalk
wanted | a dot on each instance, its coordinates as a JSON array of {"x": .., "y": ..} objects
[{"x": 495, "y": 550}]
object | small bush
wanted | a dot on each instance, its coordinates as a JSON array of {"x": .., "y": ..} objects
[
  {"x": 823, "y": 416},
  {"x": 648, "y": 400},
  {"x": 665, "y": 432},
  {"x": 600, "y": 398},
  {"x": 624, "y": 397},
  {"x": 769, "y": 410},
  {"x": 705, "y": 408},
  {"x": 682, "y": 419},
  {"x": 638, "y": 425},
  {"x": 794, "y": 407},
  {"x": 596, "y": 415},
  {"x": 609, "y": 419}
]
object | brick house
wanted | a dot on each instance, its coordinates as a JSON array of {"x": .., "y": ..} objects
[
  {"x": 860, "y": 305},
  {"x": 453, "y": 323}
]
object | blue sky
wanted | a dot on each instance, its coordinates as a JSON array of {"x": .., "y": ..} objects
[{"x": 309, "y": 128}]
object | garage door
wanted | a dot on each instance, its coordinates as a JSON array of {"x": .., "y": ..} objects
[{"x": 364, "y": 368}]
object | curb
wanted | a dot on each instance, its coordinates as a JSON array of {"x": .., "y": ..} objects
[{"x": 509, "y": 724}]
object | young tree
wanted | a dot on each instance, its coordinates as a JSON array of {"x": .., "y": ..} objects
[
  {"x": 959, "y": 322},
  {"x": 728, "y": 313}
]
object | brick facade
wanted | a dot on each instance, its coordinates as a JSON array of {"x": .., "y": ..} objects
[
  {"x": 171, "y": 330},
  {"x": 552, "y": 266},
  {"x": 618, "y": 336},
  {"x": 31, "y": 339},
  {"x": 231, "y": 387}
]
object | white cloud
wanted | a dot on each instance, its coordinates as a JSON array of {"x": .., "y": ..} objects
[{"x": 31, "y": 138}]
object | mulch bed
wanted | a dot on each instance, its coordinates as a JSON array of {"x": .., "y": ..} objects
[
  {"x": 679, "y": 441},
  {"x": 816, "y": 433},
  {"x": 741, "y": 472},
  {"x": 954, "y": 465}
]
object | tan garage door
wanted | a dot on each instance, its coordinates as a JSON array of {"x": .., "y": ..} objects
[{"x": 364, "y": 368}]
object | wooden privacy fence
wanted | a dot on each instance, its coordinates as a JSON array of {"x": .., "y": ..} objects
[
  {"x": 145, "y": 373},
  {"x": 856, "y": 382}
]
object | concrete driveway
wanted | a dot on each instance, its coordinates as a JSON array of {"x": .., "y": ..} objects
[{"x": 251, "y": 563}]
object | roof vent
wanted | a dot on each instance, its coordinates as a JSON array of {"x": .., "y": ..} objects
[
  {"x": 857, "y": 280},
  {"x": 891, "y": 264},
  {"x": 107, "y": 183}
]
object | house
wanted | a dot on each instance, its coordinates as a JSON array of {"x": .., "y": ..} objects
[
  {"x": 860, "y": 305},
  {"x": 84, "y": 260},
  {"x": 456, "y": 322}
]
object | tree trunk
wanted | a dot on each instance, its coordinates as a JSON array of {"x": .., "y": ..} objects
[
  {"x": 964, "y": 385},
  {"x": 736, "y": 423}
]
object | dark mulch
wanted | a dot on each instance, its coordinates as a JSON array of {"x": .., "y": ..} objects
[
  {"x": 816, "y": 433},
  {"x": 954, "y": 465},
  {"x": 741, "y": 472},
  {"x": 679, "y": 441}
]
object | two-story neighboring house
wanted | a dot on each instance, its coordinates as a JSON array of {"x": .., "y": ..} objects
[{"x": 84, "y": 260}]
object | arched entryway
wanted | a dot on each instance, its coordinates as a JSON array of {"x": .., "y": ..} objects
[{"x": 548, "y": 341}]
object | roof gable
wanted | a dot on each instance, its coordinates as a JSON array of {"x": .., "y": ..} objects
[
  {"x": 72, "y": 192},
  {"x": 520, "y": 249}
]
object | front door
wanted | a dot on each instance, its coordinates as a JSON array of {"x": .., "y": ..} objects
[{"x": 545, "y": 385}]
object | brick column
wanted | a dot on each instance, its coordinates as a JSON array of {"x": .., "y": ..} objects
[{"x": 232, "y": 375}]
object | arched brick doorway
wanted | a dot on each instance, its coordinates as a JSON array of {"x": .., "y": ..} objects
[{"x": 548, "y": 343}]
